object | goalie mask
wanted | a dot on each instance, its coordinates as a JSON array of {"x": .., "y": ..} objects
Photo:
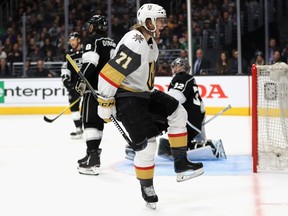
[
  {"x": 98, "y": 23},
  {"x": 180, "y": 65},
  {"x": 150, "y": 11}
]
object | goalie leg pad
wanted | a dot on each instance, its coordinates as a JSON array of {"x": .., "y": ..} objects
[
  {"x": 220, "y": 151},
  {"x": 207, "y": 150}
]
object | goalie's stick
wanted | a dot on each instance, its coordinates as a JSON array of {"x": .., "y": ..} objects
[
  {"x": 219, "y": 113},
  {"x": 94, "y": 93},
  {"x": 64, "y": 110}
]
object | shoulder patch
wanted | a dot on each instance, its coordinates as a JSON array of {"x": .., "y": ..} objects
[{"x": 138, "y": 37}]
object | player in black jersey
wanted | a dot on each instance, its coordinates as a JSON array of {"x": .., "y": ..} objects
[
  {"x": 184, "y": 88},
  {"x": 98, "y": 49},
  {"x": 69, "y": 77}
]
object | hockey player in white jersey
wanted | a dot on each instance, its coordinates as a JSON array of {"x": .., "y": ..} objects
[{"x": 126, "y": 84}]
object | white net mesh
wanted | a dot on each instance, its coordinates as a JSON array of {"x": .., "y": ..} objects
[{"x": 272, "y": 109}]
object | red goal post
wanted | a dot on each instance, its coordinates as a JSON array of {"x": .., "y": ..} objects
[{"x": 270, "y": 118}]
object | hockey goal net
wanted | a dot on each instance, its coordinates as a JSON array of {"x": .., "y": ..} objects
[{"x": 270, "y": 118}]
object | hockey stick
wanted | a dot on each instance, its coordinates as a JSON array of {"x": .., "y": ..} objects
[
  {"x": 64, "y": 110},
  {"x": 193, "y": 127},
  {"x": 219, "y": 113},
  {"x": 134, "y": 146}
]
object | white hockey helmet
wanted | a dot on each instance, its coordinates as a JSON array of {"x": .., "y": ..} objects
[{"x": 152, "y": 11}]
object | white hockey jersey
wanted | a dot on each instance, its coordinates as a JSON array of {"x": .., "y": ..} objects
[{"x": 133, "y": 66}]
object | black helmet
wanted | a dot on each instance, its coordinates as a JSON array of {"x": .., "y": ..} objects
[
  {"x": 74, "y": 35},
  {"x": 99, "y": 23}
]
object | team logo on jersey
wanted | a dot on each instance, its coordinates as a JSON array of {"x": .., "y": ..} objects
[{"x": 138, "y": 38}]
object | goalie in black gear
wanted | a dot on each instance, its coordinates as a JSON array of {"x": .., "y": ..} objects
[
  {"x": 98, "y": 49},
  {"x": 184, "y": 88},
  {"x": 69, "y": 78}
]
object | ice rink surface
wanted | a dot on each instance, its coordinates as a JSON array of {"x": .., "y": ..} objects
[{"x": 39, "y": 177}]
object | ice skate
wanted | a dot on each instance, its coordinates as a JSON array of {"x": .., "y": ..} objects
[
  {"x": 90, "y": 164},
  {"x": 77, "y": 134},
  {"x": 186, "y": 169},
  {"x": 130, "y": 153},
  {"x": 149, "y": 195}
]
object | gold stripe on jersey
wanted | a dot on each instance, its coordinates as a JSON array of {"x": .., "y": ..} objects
[
  {"x": 144, "y": 172},
  {"x": 177, "y": 140},
  {"x": 150, "y": 82},
  {"x": 111, "y": 75},
  {"x": 128, "y": 88}
]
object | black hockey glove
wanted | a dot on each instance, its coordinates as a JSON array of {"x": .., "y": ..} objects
[{"x": 67, "y": 82}]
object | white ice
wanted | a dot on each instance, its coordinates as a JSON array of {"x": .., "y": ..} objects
[{"x": 38, "y": 176}]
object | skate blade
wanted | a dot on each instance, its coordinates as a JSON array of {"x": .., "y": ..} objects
[
  {"x": 151, "y": 205},
  {"x": 129, "y": 158},
  {"x": 76, "y": 137},
  {"x": 89, "y": 171},
  {"x": 165, "y": 156},
  {"x": 184, "y": 176}
]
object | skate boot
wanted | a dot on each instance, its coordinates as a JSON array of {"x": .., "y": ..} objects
[
  {"x": 90, "y": 164},
  {"x": 149, "y": 195},
  {"x": 164, "y": 149},
  {"x": 130, "y": 153},
  {"x": 77, "y": 134},
  {"x": 186, "y": 169}
]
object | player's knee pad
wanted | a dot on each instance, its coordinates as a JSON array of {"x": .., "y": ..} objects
[
  {"x": 146, "y": 156},
  {"x": 92, "y": 134},
  {"x": 177, "y": 121}
]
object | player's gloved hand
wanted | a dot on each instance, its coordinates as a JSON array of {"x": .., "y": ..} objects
[
  {"x": 106, "y": 108},
  {"x": 80, "y": 86},
  {"x": 67, "y": 82}
]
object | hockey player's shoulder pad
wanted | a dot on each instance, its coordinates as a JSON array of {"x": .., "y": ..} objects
[
  {"x": 135, "y": 41},
  {"x": 89, "y": 44},
  {"x": 128, "y": 53}
]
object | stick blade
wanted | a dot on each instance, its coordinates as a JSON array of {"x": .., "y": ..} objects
[{"x": 48, "y": 120}]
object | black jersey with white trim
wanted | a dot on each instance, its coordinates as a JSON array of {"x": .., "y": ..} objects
[
  {"x": 67, "y": 68},
  {"x": 97, "y": 52},
  {"x": 186, "y": 84},
  {"x": 76, "y": 55}
]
